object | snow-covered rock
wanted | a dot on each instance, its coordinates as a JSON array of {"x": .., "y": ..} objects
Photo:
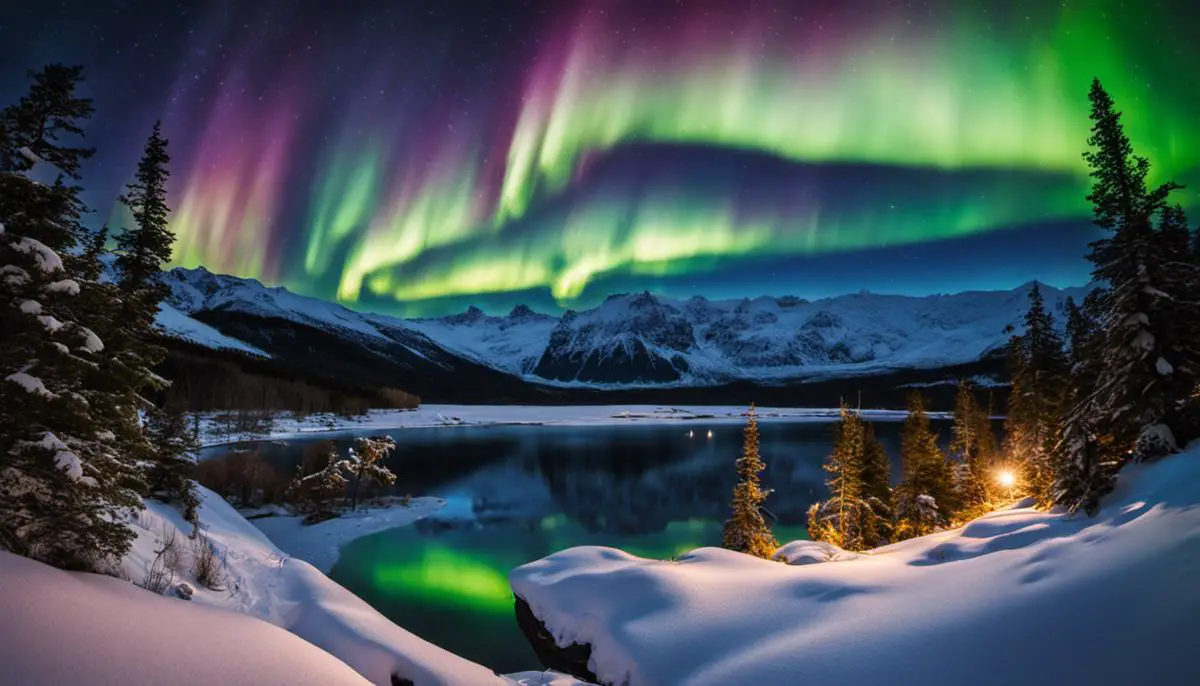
[{"x": 1015, "y": 597}]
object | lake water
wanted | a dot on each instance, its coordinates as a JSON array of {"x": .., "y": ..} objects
[{"x": 517, "y": 493}]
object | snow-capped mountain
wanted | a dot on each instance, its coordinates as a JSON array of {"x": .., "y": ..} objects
[
  {"x": 645, "y": 339},
  {"x": 629, "y": 340}
]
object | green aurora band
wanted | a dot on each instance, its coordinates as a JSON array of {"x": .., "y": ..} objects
[{"x": 403, "y": 214}]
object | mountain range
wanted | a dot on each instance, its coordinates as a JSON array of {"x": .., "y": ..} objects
[{"x": 636, "y": 343}]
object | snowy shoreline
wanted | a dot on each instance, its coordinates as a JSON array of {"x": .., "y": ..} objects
[{"x": 441, "y": 416}]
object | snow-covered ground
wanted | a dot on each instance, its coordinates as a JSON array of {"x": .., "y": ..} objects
[
  {"x": 64, "y": 628},
  {"x": 320, "y": 544},
  {"x": 428, "y": 416},
  {"x": 264, "y": 582},
  {"x": 1015, "y": 597}
]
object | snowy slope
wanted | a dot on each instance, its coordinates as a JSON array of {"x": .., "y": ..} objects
[
  {"x": 180, "y": 325},
  {"x": 1015, "y": 597},
  {"x": 641, "y": 339},
  {"x": 64, "y": 628},
  {"x": 263, "y": 582},
  {"x": 512, "y": 344}
]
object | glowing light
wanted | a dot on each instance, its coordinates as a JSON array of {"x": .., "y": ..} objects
[
  {"x": 1006, "y": 478},
  {"x": 710, "y": 433}
]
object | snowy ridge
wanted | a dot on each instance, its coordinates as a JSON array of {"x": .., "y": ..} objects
[
  {"x": 1016, "y": 597},
  {"x": 639, "y": 340}
]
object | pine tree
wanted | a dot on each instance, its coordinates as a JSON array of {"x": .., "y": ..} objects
[
  {"x": 1039, "y": 378},
  {"x": 746, "y": 531},
  {"x": 66, "y": 480},
  {"x": 366, "y": 464},
  {"x": 50, "y": 111},
  {"x": 142, "y": 251},
  {"x": 845, "y": 519},
  {"x": 1143, "y": 372},
  {"x": 973, "y": 445},
  {"x": 926, "y": 473},
  {"x": 877, "y": 483},
  {"x": 145, "y": 248},
  {"x": 177, "y": 444}
]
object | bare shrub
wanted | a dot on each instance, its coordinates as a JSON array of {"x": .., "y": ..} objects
[
  {"x": 161, "y": 572},
  {"x": 206, "y": 563}
]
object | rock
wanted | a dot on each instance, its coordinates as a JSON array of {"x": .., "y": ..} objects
[
  {"x": 571, "y": 660},
  {"x": 184, "y": 590}
]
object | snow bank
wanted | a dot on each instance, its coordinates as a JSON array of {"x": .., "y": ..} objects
[
  {"x": 262, "y": 581},
  {"x": 1017, "y": 596},
  {"x": 321, "y": 544},
  {"x": 428, "y": 416},
  {"x": 64, "y": 628}
]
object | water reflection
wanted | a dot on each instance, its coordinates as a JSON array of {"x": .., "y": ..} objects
[{"x": 515, "y": 494}]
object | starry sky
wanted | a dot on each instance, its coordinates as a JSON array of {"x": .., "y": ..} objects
[{"x": 415, "y": 157}]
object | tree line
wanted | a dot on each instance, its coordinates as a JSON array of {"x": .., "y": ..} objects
[{"x": 1120, "y": 386}]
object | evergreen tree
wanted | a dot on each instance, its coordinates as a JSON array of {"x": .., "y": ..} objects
[
  {"x": 177, "y": 443},
  {"x": 142, "y": 251},
  {"x": 145, "y": 248},
  {"x": 973, "y": 444},
  {"x": 1039, "y": 378},
  {"x": 926, "y": 473},
  {"x": 877, "y": 482},
  {"x": 746, "y": 531},
  {"x": 66, "y": 480},
  {"x": 366, "y": 464},
  {"x": 1144, "y": 368},
  {"x": 35, "y": 126},
  {"x": 846, "y": 518}
]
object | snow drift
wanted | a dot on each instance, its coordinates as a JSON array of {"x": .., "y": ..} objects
[
  {"x": 1017, "y": 596},
  {"x": 65, "y": 628}
]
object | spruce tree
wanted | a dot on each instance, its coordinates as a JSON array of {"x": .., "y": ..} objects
[
  {"x": 746, "y": 531},
  {"x": 66, "y": 480},
  {"x": 973, "y": 445},
  {"x": 146, "y": 247},
  {"x": 1145, "y": 373},
  {"x": 928, "y": 480},
  {"x": 176, "y": 443},
  {"x": 35, "y": 127},
  {"x": 1039, "y": 379},
  {"x": 142, "y": 251},
  {"x": 845, "y": 519},
  {"x": 877, "y": 483}
]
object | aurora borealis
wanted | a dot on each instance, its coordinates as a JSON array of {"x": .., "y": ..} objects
[{"x": 416, "y": 157}]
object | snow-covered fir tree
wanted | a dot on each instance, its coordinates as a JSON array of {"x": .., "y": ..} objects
[
  {"x": 1145, "y": 348},
  {"x": 973, "y": 444},
  {"x": 847, "y": 518},
  {"x": 877, "y": 483},
  {"x": 1039, "y": 373},
  {"x": 66, "y": 480},
  {"x": 365, "y": 464},
  {"x": 746, "y": 531},
  {"x": 927, "y": 474}
]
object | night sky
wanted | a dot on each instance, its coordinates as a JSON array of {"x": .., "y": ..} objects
[{"x": 415, "y": 157}]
